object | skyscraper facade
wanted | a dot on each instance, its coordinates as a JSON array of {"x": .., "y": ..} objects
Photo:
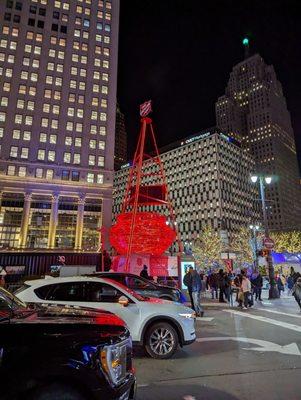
[
  {"x": 58, "y": 70},
  {"x": 254, "y": 110},
  {"x": 208, "y": 183},
  {"x": 120, "y": 156}
]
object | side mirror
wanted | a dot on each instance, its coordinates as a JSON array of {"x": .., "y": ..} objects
[{"x": 123, "y": 301}]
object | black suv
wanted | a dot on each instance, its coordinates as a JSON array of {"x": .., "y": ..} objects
[
  {"x": 63, "y": 353},
  {"x": 143, "y": 286}
]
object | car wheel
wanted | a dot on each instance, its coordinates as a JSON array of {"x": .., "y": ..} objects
[
  {"x": 161, "y": 340},
  {"x": 56, "y": 391}
]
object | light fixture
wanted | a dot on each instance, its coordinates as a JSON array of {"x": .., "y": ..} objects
[
  {"x": 254, "y": 178},
  {"x": 268, "y": 179},
  {"x": 251, "y": 226},
  {"x": 257, "y": 227}
]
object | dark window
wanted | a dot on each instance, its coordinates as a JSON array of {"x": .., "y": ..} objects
[
  {"x": 33, "y": 9},
  {"x": 72, "y": 291},
  {"x": 133, "y": 282},
  {"x": 17, "y": 18},
  {"x": 116, "y": 277},
  {"x": 31, "y": 21},
  {"x": 102, "y": 292},
  {"x": 40, "y": 24},
  {"x": 44, "y": 291},
  {"x": 9, "y": 3},
  {"x": 7, "y": 16},
  {"x": 55, "y": 27},
  {"x": 64, "y": 29},
  {"x": 65, "y": 175},
  {"x": 56, "y": 14},
  {"x": 18, "y": 6},
  {"x": 42, "y": 11},
  {"x": 75, "y": 176}
]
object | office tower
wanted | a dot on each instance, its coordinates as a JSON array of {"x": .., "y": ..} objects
[
  {"x": 58, "y": 67},
  {"x": 255, "y": 109},
  {"x": 120, "y": 157},
  {"x": 208, "y": 182}
]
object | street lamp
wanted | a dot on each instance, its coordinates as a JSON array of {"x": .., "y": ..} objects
[
  {"x": 254, "y": 229},
  {"x": 273, "y": 292}
]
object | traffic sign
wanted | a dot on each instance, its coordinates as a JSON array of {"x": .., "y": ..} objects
[{"x": 268, "y": 243}]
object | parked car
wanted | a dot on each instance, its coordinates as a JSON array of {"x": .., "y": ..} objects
[
  {"x": 143, "y": 286},
  {"x": 59, "y": 352},
  {"x": 158, "y": 325}
]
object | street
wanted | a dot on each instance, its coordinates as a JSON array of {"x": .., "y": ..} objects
[{"x": 250, "y": 354}]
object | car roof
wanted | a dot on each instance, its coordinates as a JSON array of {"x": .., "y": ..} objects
[{"x": 52, "y": 280}]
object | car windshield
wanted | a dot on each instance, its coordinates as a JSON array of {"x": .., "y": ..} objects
[
  {"x": 130, "y": 291},
  {"x": 10, "y": 305}
]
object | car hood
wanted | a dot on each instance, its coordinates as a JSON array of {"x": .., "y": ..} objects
[{"x": 173, "y": 304}]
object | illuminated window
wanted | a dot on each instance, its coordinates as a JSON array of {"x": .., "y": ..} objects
[
  {"x": 35, "y": 63},
  {"x": 39, "y": 173},
  {"x": 11, "y": 170},
  {"x": 43, "y": 137},
  {"x": 13, "y": 151},
  {"x": 11, "y": 59},
  {"x": 76, "y": 158},
  {"x": 69, "y": 126},
  {"x": 78, "y": 142},
  {"x": 4, "y": 101},
  {"x": 105, "y": 64},
  {"x": 50, "y": 66},
  {"x": 6, "y": 87},
  {"x": 82, "y": 85},
  {"x": 9, "y": 72},
  {"x": 51, "y": 53},
  {"x": 101, "y": 161},
  {"x": 103, "y": 116},
  {"x": 20, "y": 104},
  {"x": 24, "y": 152},
  {"x": 56, "y": 109},
  {"x": 101, "y": 145},
  {"x": 71, "y": 98},
  {"x": 94, "y": 115},
  {"x": 96, "y": 88},
  {"x": 104, "y": 89},
  {"x": 60, "y": 68},
  {"x": 91, "y": 159},
  {"x": 100, "y": 178},
  {"x": 16, "y": 134},
  {"x": 95, "y": 101},
  {"x": 81, "y": 99},
  {"x": 90, "y": 177},
  {"x": 26, "y": 135},
  {"x": 54, "y": 124},
  {"x": 70, "y": 112},
  {"x": 24, "y": 75},
  {"x": 37, "y": 50},
  {"x": 18, "y": 118},
  {"x": 79, "y": 127},
  {"x": 45, "y": 122},
  {"x": 22, "y": 171},
  {"x": 51, "y": 155},
  {"x": 49, "y": 174},
  {"x": 68, "y": 141},
  {"x": 32, "y": 90},
  {"x": 52, "y": 139},
  {"x": 80, "y": 113}
]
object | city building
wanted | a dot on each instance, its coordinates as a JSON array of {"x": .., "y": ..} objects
[
  {"x": 208, "y": 182},
  {"x": 120, "y": 157},
  {"x": 254, "y": 108},
  {"x": 58, "y": 67}
]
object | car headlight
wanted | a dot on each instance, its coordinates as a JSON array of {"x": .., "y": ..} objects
[
  {"x": 188, "y": 315},
  {"x": 113, "y": 361}
]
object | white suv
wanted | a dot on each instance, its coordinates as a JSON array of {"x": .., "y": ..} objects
[{"x": 158, "y": 325}]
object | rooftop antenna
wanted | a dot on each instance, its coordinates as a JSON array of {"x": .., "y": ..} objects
[{"x": 245, "y": 43}]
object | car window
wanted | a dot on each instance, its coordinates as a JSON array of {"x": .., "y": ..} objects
[
  {"x": 115, "y": 277},
  {"x": 134, "y": 282},
  {"x": 71, "y": 291},
  {"x": 102, "y": 292},
  {"x": 44, "y": 292}
]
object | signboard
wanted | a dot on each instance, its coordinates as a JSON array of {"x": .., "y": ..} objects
[
  {"x": 228, "y": 256},
  {"x": 268, "y": 243},
  {"x": 156, "y": 265},
  {"x": 185, "y": 265}
]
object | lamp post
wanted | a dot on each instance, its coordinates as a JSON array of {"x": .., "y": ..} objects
[
  {"x": 273, "y": 292},
  {"x": 254, "y": 229}
]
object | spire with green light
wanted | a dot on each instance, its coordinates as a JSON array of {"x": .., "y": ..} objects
[{"x": 245, "y": 41}]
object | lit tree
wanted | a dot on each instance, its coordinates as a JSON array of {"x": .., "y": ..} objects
[
  {"x": 206, "y": 247},
  {"x": 240, "y": 243},
  {"x": 287, "y": 241}
]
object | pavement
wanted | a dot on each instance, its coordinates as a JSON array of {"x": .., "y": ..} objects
[{"x": 238, "y": 355}]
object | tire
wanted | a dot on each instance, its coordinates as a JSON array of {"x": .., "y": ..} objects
[
  {"x": 56, "y": 391},
  {"x": 161, "y": 340}
]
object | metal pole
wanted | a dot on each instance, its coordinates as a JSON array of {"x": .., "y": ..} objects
[
  {"x": 273, "y": 292},
  {"x": 255, "y": 246}
]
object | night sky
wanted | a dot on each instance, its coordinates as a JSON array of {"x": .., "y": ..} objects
[{"x": 179, "y": 53}]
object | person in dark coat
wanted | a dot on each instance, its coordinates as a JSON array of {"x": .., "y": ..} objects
[
  {"x": 187, "y": 280},
  {"x": 279, "y": 284},
  {"x": 296, "y": 292},
  {"x": 196, "y": 288},
  {"x": 144, "y": 273},
  {"x": 221, "y": 285},
  {"x": 257, "y": 283},
  {"x": 212, "y": 281}
]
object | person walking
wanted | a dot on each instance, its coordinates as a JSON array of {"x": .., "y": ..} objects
[
  {"x": 279, "y": 284},
  {"x": 290, "y": 284},
  {"x": 221, "y": 285},
  {"x": 296, "y": 292},
  {"x": 213, "y": 284},
  {"x": 196, "y": 287},
  {"x": 144, "y": 273},
  {"x": 246, "y": 290},
  {"x": 227, "y": 290},
  {"x": 187, "y": 280},
  {"x": 257, "y": 283}
]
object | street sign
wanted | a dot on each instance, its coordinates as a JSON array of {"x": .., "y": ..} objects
[{"x": 268, "y": 243}]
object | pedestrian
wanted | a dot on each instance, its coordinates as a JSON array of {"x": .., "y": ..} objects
[
  {"x": 196, "y": 288},
  {"x": 257, "y": 283},
  {"x": 221, "y": 285},
  {"x": 213, "y": 284},
  {"x": 295, "y": 275},
  {"x": 187, "y": 280},
  {"x": 279, "y": 284},
  {"x": 246, "y": 290},
  {"x": 144, "y": 273},
  {"x": 3, "y": 274},
  {"x": 296, "y": 292},
  {"x": 227, "y": 290},
  {"x": 290, "y": 284}
]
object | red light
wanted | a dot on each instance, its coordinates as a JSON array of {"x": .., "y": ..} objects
[{"x": 151, "y": 235}]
